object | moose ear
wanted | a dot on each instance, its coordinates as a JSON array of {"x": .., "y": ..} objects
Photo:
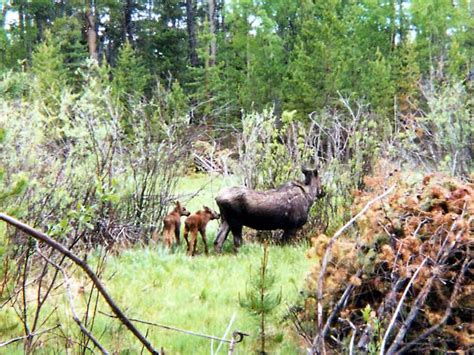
[
  {"x": 205, "y": 208},
  {"x": 177, "y": 203}
]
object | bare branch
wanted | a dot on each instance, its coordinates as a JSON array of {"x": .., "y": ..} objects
[
  {"x": 11, "y": 341},
  {"x": 318, "y": 342},
  {"x": 399, "y": 306},
  {"x": 59, "y": 247},
  {"x": 67, "y": 284},
  {"x": 447, "y": 313},
  {"x": 176, "y": 329}
]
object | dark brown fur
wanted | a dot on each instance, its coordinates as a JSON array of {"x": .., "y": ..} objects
[
  {"x": 195, "y": 223},
  {"x": 172, "y": 225},
  {"x": 284, "y": 208}
]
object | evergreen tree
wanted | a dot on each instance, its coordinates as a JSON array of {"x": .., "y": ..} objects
[
  {"x": 130, "y": 75},
  {"x": 50, "y": 75},
  {"x": 261, "y": 300}
]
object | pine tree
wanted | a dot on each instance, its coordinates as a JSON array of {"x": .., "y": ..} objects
[
  {"x": 130, "y": 76},
  {"x": 49, "y": 74},
  {"x": 261, "y": 299}
]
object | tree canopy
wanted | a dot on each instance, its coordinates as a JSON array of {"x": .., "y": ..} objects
[{"x": 236, "y": 55}]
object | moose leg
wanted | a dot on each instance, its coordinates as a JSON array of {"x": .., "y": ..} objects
[
  {"x": 193, "y": 242},
  {"x": 237, "y": 232},
  {"x": 185, "y": 235},
  {"x": 203, "y": 235},
  {"x": 221, "y": 236},
  {"x": 168, "y": 237},
  {"x": 176, "y": 233},
  {"x": 287, "y": 234}
]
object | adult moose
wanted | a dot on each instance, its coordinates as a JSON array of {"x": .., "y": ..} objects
[{"x": 284, "y": 208}]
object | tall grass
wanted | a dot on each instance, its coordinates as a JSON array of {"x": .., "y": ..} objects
[{"x": 200, "y": 294}]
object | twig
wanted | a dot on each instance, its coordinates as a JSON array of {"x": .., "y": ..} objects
[
  {"x": 415, "y": 308},
  {"x": 59, "y": 247},
  {"x": 189, "y": 332},
  {"x": 447, "y": 313},
  {"x": 399, "y": 306},
  {"x": 8, "y": 342},
  {"x": 387, "y": 303},
  {"x": 318, "y": 341},
  {"x": 351, "y": 344},
  {"x": 339, "y": 305},
  {"x": 67, "y": 285},
  {"x": 225, "y": 333}
]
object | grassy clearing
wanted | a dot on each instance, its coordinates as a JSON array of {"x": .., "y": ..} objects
[
  {"x": 200, "y": 294},
  {"x": 197, "y": 190}
]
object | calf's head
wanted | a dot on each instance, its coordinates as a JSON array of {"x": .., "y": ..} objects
[
  {"x": 213, "y": 214},
  {"x": 181, "y": 209}
]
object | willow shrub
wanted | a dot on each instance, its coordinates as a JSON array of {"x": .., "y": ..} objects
[{"x": 78, "y": 163}]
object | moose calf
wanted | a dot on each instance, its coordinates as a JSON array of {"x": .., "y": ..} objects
[
  {"x": 172, "y": 224},
  {"x": 195, "y": 223}
]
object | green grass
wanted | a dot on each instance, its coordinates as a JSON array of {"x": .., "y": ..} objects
[
  {"x": 202, "y": 293},
  {"x": 199, "y": 294}
]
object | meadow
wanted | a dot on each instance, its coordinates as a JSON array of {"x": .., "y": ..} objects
[{"x": 199, "y": 294}]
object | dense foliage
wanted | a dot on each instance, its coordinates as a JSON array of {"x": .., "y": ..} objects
[{"x": 247, "y": 54}]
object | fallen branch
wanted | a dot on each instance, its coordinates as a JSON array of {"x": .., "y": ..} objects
[
  {"x": 447, "y": 313},
  {"x": 415, "y": 308},
  {"x": 399, "y": 306},
  {"x": 189, "y": 332},
  {"x": 59, "y": 247},
  {"x": 339, "y": 305}
]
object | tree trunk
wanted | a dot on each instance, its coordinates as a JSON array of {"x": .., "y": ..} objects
[
  {"x": 212, "y": 30},
  {"x": 91, "y": 32},
  {"x": 191, "y": 24},
  {"x": 127, "y": 24},
  {"x": 21, "y": 20}
]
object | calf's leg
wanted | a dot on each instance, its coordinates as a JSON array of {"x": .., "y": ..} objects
[
  {"x": 193, "y": 242},
  {"x": 185, "y": 235},
  {"x": 168, "y": 237},
  {"x": 176, "y": 233},
  {"x": 203, "y": 235}
]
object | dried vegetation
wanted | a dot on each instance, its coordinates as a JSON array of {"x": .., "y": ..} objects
[{"x": 402, "y": 278}]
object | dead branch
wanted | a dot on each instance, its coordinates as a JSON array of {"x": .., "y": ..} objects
[
  {"x": 447, "y": 313},
  {"x": 318, "y": 342},
  {"x": 189, "y": 332},
  {"x": 11, "y": 341},
  {"x": 388, "y": 302},
  {"x": 415, "y": 308},
  {"x": 399, "y": 306},
  {"x": 59, "y": 247},
  {"x": 339, "y": 305}
]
